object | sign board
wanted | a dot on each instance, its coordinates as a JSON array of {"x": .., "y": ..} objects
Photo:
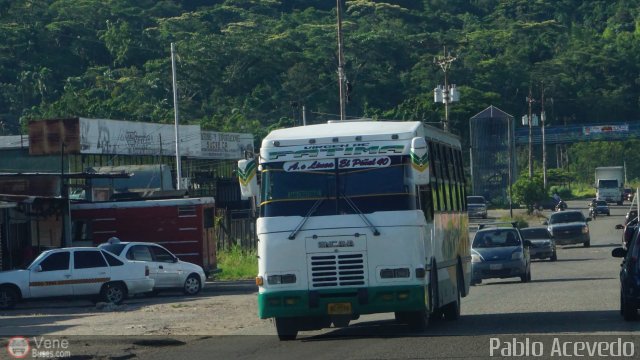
[{"x": 218, "y": 145}]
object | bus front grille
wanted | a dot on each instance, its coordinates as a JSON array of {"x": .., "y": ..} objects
[{"x": 331, "y": 270}]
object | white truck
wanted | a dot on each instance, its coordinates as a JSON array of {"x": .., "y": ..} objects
[{"x": 610, "y": 184}]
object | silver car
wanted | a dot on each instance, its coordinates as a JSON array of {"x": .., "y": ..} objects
[
  {"x": 500, "y": 252},
  {"x": 542, "y": 244}
]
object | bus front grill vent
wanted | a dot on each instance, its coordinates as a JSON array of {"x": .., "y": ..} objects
[{"x": 337, "y": 270}]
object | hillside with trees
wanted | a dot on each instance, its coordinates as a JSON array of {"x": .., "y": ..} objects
[{"x": 250, "y": 65}]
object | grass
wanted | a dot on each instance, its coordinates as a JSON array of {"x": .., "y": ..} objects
[{"x": 237, "y": 263}]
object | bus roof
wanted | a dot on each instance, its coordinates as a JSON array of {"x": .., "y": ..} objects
[{"x": 347, "y": 131}]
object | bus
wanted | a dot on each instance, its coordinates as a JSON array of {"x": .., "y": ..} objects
[{"x": 359, "y": 217}]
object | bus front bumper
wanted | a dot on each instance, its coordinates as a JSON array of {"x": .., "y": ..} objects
[{"x": 349, "y": 301}]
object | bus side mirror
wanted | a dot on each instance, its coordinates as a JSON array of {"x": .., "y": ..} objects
[
  {"x": 419, "y": 161},
  {"x": 247, "y": 170}
]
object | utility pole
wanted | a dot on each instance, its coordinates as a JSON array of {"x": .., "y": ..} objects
[
  {"x": 530, "y": 100},
  {"x": 175, "y": 110},
  {"x": 341, "y": 75},
  {"x": 449, "y": 93},
  {"x": 544, "y": 147}
]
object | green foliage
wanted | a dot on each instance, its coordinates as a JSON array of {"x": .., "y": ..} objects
[
  {"x": 237, "y": 263},
  {"x": 562, "y": 191},
  {"x": 248, "y": 66},
  {"x": 528, "y": 191}
]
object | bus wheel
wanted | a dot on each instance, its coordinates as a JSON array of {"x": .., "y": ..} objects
[
  {"x": 452, "y": 310},
  {"x": 418, "y": 320},
  {"x": 341, "y": 321},
  {"x": 287, "y": 328}
]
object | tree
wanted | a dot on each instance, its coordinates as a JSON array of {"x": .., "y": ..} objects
[{"x": 528, "y": 191}]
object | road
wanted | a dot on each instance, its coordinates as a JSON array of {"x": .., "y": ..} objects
[{"x": 573, "y": 299}]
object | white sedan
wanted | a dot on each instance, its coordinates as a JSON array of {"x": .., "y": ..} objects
[
  {"x": 168, "y": 271},
  {"x": 75, "y": 272}
]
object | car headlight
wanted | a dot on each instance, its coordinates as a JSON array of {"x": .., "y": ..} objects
[
  {"x": 516, "y": 255},
  {"x": 585, "y": 229},
  {"x": 475, "y": 258}
]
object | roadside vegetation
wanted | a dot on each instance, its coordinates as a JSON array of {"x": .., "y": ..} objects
[{"x": 237, "y": 263}]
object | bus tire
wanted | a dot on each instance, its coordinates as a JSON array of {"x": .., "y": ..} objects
[
  {"x": 452, "y": 310},
  {"x": 287, "y": 328},
  {"x": 418, "y": 320}
]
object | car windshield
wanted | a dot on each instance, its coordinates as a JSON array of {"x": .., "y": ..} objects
[
  {"x": 533, "y": 234},
  {"x": 601, "y": 203},
  {"x": 566, "y": 217},
  {"x": 475, "y": 200},
  {"x": 496, "y": 238},
  {"x": 113, "y": 248}
]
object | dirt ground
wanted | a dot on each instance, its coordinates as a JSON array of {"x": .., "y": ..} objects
[{"x": 222, "y": 308}]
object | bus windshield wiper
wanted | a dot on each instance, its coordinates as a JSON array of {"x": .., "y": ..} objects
[
  {"x": 361, "y": 214},
  {"x": 306, "y": 217}
]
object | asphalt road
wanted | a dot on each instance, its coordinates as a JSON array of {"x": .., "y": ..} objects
[
  {"x": 574, "y": 299},
  {"x": 568, "y": 302}
]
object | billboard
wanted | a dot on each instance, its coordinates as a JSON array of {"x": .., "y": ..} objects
[{"x": 117, "y": 137}]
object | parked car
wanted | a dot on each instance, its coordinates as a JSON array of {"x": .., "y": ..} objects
[
  {"x": 602, "y": 208},
  {"x": 628, "y": 194},
  {"x": 166, "y": 269},
  {"x": 500, "y": 252},
  {"x": 75, "y": 272},
  {"x": 569, "y": 227},
  {"x": 542, "y": 244},
  {"x": 629, "y": 278},
  {"x": 477, "y": 206}
]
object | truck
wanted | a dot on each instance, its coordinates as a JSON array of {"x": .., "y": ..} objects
[
  {"x": 359, "y": 217},
  {"x": 185, "y": 226},
  {"x": 609, "y": 183}
]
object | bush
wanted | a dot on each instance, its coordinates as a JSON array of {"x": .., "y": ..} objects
[{"x": 237, "y": 263}]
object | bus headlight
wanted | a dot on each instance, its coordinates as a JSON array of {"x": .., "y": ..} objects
[
  {"x": 395, "y": 273},
  {"x": 281, "y": 279}
]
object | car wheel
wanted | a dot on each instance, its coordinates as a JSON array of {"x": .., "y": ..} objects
[
  {"x": 554, "y": 257},
  {"x": 587, "y": 243},
  {"x": 192, "y": 285},
  {"x": 628, "y": 309},
  {"x": 8, "y": 298},
  {"x": 286, "y": 328},
  {"x": 113, "y": 293}
]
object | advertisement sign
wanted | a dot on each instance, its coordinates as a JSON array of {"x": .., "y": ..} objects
[{"x": 218, "y": 145}]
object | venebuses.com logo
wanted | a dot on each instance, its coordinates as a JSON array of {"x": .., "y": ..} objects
[{"x": 18, "y": 347}]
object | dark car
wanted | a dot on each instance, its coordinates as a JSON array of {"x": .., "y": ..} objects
[
  {"x": 602, "y": 208},
  {"x": 500, "y": 252},
  {"x": 548, "y": 203},
  {"x": 628, "y": 229},
  {"x": 542, "y": 244},
  {"x": 569, "y": 227},
  {"x": 629, "y": 278},
  {"x": 628, "y": 194}
]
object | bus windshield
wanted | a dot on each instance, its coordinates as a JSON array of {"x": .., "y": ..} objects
[{"x": 293, "y": 193}]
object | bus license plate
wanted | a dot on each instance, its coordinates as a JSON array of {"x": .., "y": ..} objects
[{"x": 339, "y": 308}]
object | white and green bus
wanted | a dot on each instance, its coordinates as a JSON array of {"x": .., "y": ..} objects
[{"x": 359, "y": 217}]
